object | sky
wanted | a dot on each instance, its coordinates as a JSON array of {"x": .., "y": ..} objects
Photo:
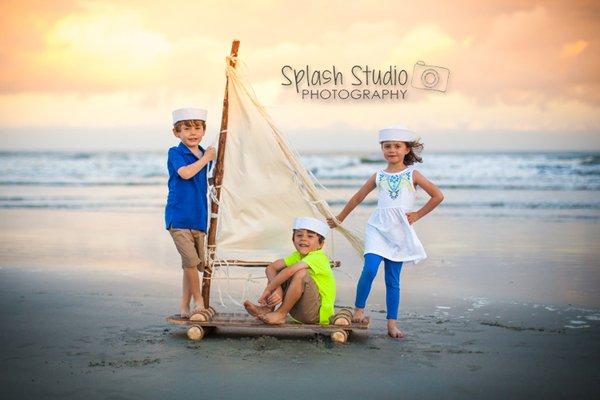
[{"x": 105, "y": 75}]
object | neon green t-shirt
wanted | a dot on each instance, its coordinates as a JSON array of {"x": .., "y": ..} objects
[{"x": 320, "y": 271}]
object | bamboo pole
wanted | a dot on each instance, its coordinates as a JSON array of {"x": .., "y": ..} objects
[{"x": 218, "y": 178}]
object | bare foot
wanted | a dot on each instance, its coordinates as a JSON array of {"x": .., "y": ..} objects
[
  {"x": 256, "y": 310},
  {"x": 199, "y": 304},
  {"x": 272, "y": 318},
  {"x": 359, "y": 316},
  {"x": 393, "y": 330},
  {"x": 184, "y": 309}
]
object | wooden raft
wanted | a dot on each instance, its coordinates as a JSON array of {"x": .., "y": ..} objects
[{"x": 339, "y": 330}]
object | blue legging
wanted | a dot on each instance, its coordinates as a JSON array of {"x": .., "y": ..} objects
[{"x": 392, "y": 283}]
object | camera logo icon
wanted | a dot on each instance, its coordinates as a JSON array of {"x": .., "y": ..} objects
[{"x": 430, "y": 77}]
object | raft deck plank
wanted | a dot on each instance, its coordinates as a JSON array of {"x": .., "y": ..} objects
[{"x": 242, "y": 320}]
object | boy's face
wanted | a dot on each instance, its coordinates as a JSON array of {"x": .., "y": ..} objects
[
  {"x": 306, "y": 241},
  {"x": 190, "y": 135}
]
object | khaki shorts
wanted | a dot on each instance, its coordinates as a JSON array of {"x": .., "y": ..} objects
[
  {"x": 306, "y": 310},
  {"x": 190, "y": 245}
]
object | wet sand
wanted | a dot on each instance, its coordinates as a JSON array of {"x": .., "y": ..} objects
[{"x": 501, "y": 309}]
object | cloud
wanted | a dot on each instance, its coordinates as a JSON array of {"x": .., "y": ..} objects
[
  {"x": 529, "y": 55},
  {"x": 573, "y": 49},
  {"x": 99, "y": 48}
]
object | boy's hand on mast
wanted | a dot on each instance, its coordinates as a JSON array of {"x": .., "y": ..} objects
[{"x": 210, "y": 153}]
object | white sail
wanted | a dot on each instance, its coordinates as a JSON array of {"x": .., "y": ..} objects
[{"x": 264, "y": 185}]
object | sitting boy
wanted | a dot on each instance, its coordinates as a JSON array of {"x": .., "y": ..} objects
[{"x": 302, "y": 282}]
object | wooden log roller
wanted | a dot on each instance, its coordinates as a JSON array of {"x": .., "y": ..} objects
[
  {"x": 340, "y": 336},
  {"x": 342, "y": 318},
  {"x": 195, "y": 332},
  {"x": 204, "y": 315}
]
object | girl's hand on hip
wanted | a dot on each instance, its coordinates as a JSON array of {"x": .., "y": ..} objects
[{"x": 412, "y": 217}]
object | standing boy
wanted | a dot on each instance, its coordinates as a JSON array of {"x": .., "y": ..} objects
[{"x": 186, "y": 212}]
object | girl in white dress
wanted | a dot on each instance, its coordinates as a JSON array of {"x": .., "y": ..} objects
[{"x": 389, "y": 235}]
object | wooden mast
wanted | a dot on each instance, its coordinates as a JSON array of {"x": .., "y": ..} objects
[{"x": 218, "y": 178}]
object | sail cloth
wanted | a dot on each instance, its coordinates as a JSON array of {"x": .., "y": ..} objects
[{"x": 264, "y": 184}]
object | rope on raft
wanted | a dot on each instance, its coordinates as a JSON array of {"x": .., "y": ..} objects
[
  {"x": 221, "y": 273},
  {"x": 219, "y": 264}
]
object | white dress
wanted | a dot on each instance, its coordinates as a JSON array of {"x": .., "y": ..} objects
[{"x": 388, "y": 232}]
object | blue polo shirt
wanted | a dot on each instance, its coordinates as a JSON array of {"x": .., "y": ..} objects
[{"x": 187, "y": 205}]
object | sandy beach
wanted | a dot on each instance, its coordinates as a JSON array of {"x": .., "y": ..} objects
[{"x": 84, "y": 311}]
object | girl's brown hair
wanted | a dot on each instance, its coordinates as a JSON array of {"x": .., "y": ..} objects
[
  {"x": 414, "y": 155},
  {"x": 196, "y": 123}
]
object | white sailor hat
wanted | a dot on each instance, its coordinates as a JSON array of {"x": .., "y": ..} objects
[
  {"x": 183, "y": 114},
  {"x": 312, "y": 224},
  {"x": 398, "y": 133}
]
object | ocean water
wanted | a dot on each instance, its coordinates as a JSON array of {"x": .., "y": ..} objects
[{"x": 544, "y": 184}]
